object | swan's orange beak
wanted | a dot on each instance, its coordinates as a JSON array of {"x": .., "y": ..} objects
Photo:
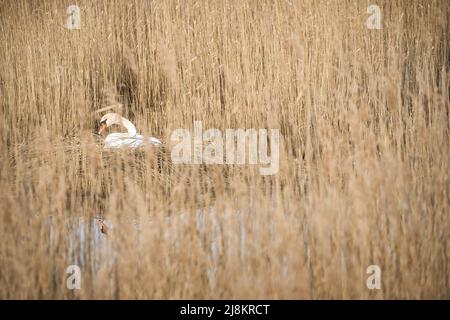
[{"x": 102, "y": 128}]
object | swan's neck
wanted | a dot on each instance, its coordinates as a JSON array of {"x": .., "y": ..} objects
[{"x": 129, "y": 126}]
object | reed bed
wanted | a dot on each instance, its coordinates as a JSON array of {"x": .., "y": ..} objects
[{"x": 364, "y": 156}]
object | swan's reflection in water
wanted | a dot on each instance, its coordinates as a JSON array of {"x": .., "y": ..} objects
[
  {"x": 89, "y": 247},
  {"x": 217, "y": 234},
  {"x": 87, "y": 240}
]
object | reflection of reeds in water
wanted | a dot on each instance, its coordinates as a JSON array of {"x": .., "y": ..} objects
[
  {"x": 364, "y": 154},
  {"x": 89, "y": 247}
]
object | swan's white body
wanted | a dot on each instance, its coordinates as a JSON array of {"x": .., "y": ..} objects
[
  {"x": 119, "y": 140},
  {"x": 130, "y": 139}
]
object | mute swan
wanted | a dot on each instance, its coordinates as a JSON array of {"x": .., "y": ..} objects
[{"x": 127, "y": 139}]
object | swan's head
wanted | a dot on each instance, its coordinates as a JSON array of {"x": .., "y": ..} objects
[{"x": 108, "y": 120}]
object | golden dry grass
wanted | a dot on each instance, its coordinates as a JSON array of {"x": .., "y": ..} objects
[{"x": 365, "y": 153}]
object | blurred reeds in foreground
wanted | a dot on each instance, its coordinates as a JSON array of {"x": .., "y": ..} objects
[{"x": 364, "y": 159}]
